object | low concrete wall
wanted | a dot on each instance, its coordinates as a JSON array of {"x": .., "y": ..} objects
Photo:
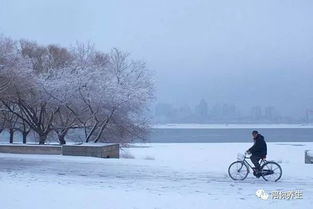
[
  {"x": 93, "y": 150},
  {"x": 308, "y": 157},
  {"x": 31, "y": 149}
]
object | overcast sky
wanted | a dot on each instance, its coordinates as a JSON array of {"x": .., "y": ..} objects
[{"x": 241, "y": 52}]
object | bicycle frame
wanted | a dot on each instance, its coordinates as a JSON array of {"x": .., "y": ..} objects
[{"x": 244, "y": 161}]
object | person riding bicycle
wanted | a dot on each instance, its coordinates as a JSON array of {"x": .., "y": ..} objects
[{"x": 258, "y": 151}]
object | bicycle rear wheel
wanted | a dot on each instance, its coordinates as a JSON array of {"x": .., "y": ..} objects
[
  {"x": 238, "y": 170},
  {"x": 271, "y": 171}
]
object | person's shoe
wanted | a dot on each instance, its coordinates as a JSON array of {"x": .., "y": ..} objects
[{"x": 257, "y": 173}]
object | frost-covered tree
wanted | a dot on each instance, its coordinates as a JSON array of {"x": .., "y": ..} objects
[
  {"x": 9, "y": 122},
  {"x": 24, "y": 129},
  {"x": 106, "y": 93},
  {"x": 58, "y": 89}
]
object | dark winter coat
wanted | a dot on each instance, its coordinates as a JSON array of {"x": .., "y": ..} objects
[{"x": 259, "y": 148}]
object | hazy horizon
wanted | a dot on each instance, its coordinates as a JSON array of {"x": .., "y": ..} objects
[{"x": 245, "y": 53}]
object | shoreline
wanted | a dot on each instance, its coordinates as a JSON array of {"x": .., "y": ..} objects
[{"x": 228, "y": 126}]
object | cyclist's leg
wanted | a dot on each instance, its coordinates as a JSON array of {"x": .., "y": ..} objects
[{"x": 255, "y": 160}]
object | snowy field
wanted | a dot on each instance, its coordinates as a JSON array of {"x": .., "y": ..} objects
[{"x": 167, "y": 176}]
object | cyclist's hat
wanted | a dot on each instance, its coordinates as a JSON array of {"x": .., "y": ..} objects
[{"x": 255, "y": 132}]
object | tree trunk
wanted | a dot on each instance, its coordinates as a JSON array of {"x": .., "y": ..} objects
[
  {"x": 62, "y": 139},
  {"x": 103, "y": 127},
  {"x": 42, "y": 138},
  {"x": 25, "y": 137},
  {"x": 11, "y": 131},
  {"x": 100, "y": 132},
  {"x": 91, "y": 132}
]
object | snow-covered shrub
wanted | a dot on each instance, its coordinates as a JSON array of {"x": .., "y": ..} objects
[{"x": 127, "y": 155}]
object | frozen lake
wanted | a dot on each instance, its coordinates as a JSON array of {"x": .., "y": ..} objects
[
  {"x": 228, "y": 133},
  {"x": 206, "y": 133}
]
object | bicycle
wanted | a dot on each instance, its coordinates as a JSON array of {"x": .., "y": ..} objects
[{"x": 239, "y": 170}]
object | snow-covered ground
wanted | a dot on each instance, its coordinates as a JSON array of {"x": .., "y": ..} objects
[{"x": 178, "y": 176}]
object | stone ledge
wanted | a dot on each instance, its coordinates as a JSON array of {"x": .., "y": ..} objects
[
  {"x": 94, "y": 150},
  {"x": 31, "y": 149},
  {"x": 91, "y": 150}
]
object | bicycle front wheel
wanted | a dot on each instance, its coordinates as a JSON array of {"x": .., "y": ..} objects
[
  {"x": 271, "y": 171},
  {"x": 238, "y": 170}
]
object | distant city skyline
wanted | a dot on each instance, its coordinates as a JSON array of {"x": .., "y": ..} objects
[{"x": 223, "y": 113}]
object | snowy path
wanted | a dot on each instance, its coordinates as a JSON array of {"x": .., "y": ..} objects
[{"x": 159, "y": 176}]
